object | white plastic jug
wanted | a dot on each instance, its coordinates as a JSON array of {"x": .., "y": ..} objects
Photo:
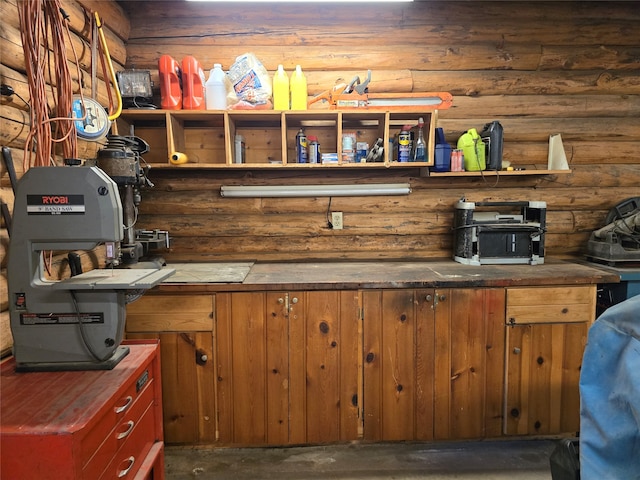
[{"x": 215, "y": 89}]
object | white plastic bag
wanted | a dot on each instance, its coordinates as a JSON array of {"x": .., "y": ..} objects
[{"x": 251, "y": 83}]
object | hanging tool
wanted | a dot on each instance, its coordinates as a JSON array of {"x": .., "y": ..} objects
[
  {"x": 356, "y": 94},
  {"x": 93, "y": 122}
]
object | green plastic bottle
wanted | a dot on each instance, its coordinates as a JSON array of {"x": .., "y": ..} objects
[{"x": 473, "y": 149}]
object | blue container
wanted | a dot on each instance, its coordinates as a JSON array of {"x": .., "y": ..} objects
[{"x": 442, "y": 161}]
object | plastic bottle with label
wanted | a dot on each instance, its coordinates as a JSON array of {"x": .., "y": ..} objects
[
  {"x": 420, "y": 147},
  {"x": 280, "y": 89},
  {"x": 192, "y": 84},
  {"x": 298, "y": 86},
  {"x": 216, "y": 90},
  {"x": 170, "y": 83}
]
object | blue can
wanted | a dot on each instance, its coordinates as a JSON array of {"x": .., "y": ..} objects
[{"x": 301, "y": 147}]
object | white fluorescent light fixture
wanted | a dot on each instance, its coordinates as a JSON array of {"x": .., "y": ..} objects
[
  {"x": 372, "y": 189},
  {"x": 304, "y": 1}
]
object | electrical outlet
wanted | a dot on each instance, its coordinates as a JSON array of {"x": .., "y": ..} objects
[{"x": 336, "y": 220}]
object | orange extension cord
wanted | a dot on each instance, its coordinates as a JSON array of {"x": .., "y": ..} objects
[{"x": 43, "y": 28}]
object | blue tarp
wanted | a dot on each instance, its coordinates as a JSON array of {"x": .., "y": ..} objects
[{"x": 610, "y": 396}]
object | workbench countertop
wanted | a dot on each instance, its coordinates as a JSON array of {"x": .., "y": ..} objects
[{"x": 383, "y": 274}]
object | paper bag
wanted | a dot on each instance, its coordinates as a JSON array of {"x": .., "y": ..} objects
[{"x": 557, "y": 160}]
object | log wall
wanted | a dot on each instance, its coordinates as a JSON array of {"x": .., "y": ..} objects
[{"x": 560, "y": 67}]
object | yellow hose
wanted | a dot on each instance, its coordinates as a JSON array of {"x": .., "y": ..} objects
[{"x": 103, "y": 42}]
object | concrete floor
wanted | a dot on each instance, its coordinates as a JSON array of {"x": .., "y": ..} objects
[{"x": 487, "y": 460}]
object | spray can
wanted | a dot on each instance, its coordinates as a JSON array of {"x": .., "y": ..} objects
[
  {"x": 192, "y": 84},
  {"x": 216, "y": 90},
  {"x": 314, "y": 149},
  {"x": 170, "y": 83},
  {"x": 404, "y": 144},
  {"x": 301, "y": 147}
]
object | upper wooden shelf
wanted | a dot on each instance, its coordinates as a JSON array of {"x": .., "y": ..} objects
[{"x": 208, "y": 138}]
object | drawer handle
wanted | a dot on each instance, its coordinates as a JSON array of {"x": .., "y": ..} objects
[
  {"x": 125, "y": 406},
  {"x": 130, "y": 424},
  {"x": 130, "y": 461}
]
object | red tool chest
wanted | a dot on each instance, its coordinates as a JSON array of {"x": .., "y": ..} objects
[{"x": 86, "y": 424}]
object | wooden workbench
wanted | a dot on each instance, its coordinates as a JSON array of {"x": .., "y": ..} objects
[
  {"x": 308, "y": 353},
  {"x": 247, "y": 276}
]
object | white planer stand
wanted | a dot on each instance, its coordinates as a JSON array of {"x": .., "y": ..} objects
[{"x": 77, "y": 323}]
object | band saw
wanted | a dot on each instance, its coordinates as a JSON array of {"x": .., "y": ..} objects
[{"x": 76, "y": 323}]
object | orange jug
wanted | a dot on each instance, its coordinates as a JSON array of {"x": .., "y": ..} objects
[
  {"x": 192, "y": 84},
  {"x": 170, "y": 83}
]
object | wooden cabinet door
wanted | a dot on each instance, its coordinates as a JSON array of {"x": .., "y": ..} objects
[
  {"x": 546, "y": 335},
  {"x": 469, "y": 361},
  {"x": 287, "y": 367},
  {"x": 433, "y": 363},
  {"x": 184, "y": 325},
  {"x": 398, "y": 369}
]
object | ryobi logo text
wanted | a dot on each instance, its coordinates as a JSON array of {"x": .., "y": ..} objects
[{"x": 55, "y": 200}]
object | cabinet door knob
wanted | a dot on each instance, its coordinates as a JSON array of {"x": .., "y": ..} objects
[
  {"x": 428, "y": 298},
  {"x": 201, "y": 357},
  {"x": 517, "y": 351},
  {"x": 294, "y": 300},
  {"x": 442, "y": 298},
  {"x": 281, "y": 301}
]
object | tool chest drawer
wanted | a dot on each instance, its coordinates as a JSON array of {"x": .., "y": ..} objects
[
  {"x": 83, "y": 424},
  {"x": 551, "y": 304}
]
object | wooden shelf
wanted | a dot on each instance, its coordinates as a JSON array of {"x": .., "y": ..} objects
[
  {"x": 493, "y": 173},
  {"x": 207, "y": 137}
]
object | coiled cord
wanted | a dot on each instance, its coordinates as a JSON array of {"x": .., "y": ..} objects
[{"x": 43, "y": 27}]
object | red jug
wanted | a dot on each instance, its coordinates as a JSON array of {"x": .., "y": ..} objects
[
  {"x": 192, "y": 84},
  {"x": 170, "y": 83}
]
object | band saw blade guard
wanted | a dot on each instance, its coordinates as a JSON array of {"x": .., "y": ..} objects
[{"x": 76, "y": 323}]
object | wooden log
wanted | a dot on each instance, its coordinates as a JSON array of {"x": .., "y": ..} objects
[
  {"x": 435, "y": 22},
  {"x": 18, "y": 82},
  {"x": 113, "y": 17},
  {"x": 592, "y": 57},
  {"x": 511, "y": 82},
  {"x": 4, "y": 247},
  {"x": 4, "y": 291},
  {"x": 555, "y": 106},
  {"x": 383, "y": 57},
  {"x": 538, "y": 129}
]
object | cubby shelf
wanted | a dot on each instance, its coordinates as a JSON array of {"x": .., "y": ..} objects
[{"x": 206, "y": 137}]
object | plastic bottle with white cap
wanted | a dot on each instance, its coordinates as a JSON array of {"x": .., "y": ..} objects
[{"x": 215, "y": 89}]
